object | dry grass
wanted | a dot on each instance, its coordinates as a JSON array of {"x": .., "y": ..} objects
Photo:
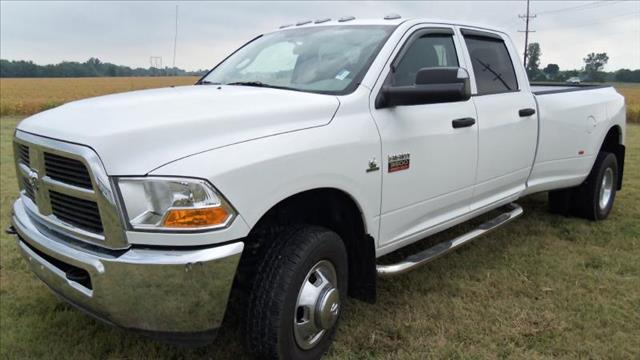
[
  {"x": 544, "y": 286},
  {"x": 29, "y": 96},
  {"x": 631, "y": 93}
]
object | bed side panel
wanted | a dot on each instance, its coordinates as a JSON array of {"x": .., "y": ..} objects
[{"x": 572, "y": 127}]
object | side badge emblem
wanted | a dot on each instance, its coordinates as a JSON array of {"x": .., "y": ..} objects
[
  {"x": 373, "y": 165},
  {"x": 399, "y": 162}
]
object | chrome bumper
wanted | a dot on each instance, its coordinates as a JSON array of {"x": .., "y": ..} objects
[{"x": 161, "y": 292}]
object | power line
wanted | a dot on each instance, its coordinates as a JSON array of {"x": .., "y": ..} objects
[
  {"x": 599, "y": 21},
  {"x": 526, "y": 32},
  {"x": 589, "y": 6},
  {"x": 570, "y": 8}
]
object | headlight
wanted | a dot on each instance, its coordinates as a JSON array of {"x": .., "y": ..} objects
[{"x": 156, "y": 203}]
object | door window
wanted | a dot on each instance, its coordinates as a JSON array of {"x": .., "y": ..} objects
[
  {"x": 492, "y": 65},
  {"x": 431, "y": 50}
]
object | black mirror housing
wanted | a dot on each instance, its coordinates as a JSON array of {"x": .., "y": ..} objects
[
  {"x": 432, "y": 85},
  {"x": 441, "y": 75}
]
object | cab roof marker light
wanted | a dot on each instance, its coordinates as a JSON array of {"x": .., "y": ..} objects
[
  {"x": 286, "y": 26},
  {"x": 392, "y": 17},
  {"x": 346, "y": 18},
  {"x": 304, "y": 22},
  {"x": 320, "y": 21}
]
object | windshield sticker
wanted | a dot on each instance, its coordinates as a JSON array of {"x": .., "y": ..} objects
[{"x": 343, "y": 74}]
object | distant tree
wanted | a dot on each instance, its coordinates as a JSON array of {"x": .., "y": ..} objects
[
  {"x": 551, "y": 70},
  {"x": 594, "y": 64},
  {"x": 91, "y": 67},
  {"x": 19, "y": 68},
  {"x": 626, "y": 75},
  {"x": 533, "y": 60}
]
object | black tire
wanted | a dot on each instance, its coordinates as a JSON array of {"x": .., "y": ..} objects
[
  {"x": 560, "y": 201},
  {"x": 273, "y": 299},
  {"x": 586, "y": 200}
]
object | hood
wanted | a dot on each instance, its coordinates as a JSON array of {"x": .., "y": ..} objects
[{"x": 136, "y": 132}]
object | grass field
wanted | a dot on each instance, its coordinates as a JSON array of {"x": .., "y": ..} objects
[
  {"x": 631, "y": 94},
  {"x": 29, "y": 96},
  {"x": 544, "y": 286}
]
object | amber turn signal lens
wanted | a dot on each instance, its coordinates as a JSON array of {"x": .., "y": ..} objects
[{"x": 195, "y": 218}]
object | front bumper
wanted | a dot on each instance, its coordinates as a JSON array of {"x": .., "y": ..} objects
[{"x": 175, "y": 294}]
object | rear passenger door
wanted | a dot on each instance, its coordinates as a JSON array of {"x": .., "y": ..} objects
[{"x": 507, "y": 123}]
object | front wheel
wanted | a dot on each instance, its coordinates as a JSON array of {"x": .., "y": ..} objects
[{"x": 297, "y": 296}]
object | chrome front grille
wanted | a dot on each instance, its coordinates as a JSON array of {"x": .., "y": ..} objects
[
  {"x": 65, "y": 188},
  {"x": 28, "y": 189},
  {"x": 67, "y": 170},
  {"x": 23, "y": 153},
  {"x": 79, "y": 212}
]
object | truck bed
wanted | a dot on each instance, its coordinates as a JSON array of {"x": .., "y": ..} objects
[
  {"x": 573, "y": 121},
  {"x": 547, "y": 88}
]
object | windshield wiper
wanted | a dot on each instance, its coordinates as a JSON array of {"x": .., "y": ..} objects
[
  {"x": 207, "y": 82},
  {"x": 260, "y": 84},
  {"x": 249, "y": 83}
]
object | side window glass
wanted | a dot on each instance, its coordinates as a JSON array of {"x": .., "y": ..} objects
[
  {"x": 429, "y": 51},
  {"x": 492, "y": 65}
]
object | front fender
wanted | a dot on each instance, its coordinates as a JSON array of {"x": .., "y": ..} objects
[{"x": 256, "y": 175}]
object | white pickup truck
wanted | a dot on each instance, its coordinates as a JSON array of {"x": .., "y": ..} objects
[{"x": 276, "y": 182}]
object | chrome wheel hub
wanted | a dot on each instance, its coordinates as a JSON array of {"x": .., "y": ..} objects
[
  {"x": 318, "y": 305},
  {"x": 606, "y": 188}
]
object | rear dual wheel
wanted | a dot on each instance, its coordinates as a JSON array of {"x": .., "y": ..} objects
[{"x": 593, "y": 199}]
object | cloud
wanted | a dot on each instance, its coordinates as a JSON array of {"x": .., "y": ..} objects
[{"x": 130, "y": 32}]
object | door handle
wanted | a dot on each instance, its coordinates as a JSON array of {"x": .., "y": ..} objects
[
  {"x": 464, "y": 122},
  {"x": 526, "y": 112}
]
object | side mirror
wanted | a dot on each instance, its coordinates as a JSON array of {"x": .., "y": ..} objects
[{"x": 432, "y": 85}]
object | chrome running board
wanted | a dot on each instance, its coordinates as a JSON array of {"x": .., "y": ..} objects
[{"x": 432, "y": 253}]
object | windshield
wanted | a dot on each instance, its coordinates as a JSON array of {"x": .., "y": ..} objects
[{"x": 324, "y": 59}]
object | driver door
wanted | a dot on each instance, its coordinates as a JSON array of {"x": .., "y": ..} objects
[{"x": 429, "y": 166}]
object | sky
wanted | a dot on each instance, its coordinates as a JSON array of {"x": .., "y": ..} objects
[{"x": 128, "y": 33}]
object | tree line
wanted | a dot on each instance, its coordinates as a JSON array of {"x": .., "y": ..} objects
[
  {"x": 593, "y": 70},
  {"x": 90, "y": 68}
]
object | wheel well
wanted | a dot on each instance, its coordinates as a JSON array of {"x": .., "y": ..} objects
[
  {"x": 613, "y": 143},
  {"x": 328, "y": 207}
]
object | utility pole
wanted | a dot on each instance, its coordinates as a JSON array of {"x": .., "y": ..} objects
[
  {"x": 155, "y": 61},
  {"x": 526, "y": 32},
  {"x": 175, "y": 39}
]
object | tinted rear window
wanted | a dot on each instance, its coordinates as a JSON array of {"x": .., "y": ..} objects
[{"x": 492, "y": 65}]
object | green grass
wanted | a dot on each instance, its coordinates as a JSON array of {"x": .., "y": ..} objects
[{"x": 544, "y": 286}]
